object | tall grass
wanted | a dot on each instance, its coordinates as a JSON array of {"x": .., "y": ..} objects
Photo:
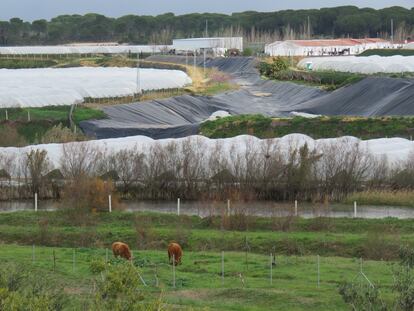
[{"x": 385, "y": 197}]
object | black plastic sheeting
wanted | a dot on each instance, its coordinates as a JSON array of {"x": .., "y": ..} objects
[
  {"x": 369, "y": 97},
  {"x": 181, "y": 116}
]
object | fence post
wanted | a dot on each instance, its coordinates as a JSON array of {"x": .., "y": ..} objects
[
  {"x": 296, "y": 208},
  {"x": 28, "y": 115},
  {"x": 110, "y": 203},
  {"x": 36, "y": 202},
  {"x": 178, "y": 206},
  {"x": 228, "y": 207},
  {"x": 355, "y": 209},
  {"x": 74, "y": 260},
  {"x": 7, "y": 115},
  {"x": 271, "y": 269},
  {"x": 173, "y": 267},
  {"x": 319, "y": 272},
  {"x": 222, "y": 268}
]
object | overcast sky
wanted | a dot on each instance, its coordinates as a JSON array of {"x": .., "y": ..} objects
[{"x": 36, "y": 9}]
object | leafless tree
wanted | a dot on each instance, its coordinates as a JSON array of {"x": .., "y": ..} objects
[
  {"x": 79, "y": 159},
  {"x": 38, "y": 165}
]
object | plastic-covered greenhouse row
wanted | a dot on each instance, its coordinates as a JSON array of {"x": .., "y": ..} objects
[
  {"x": 46, "y": 87},
  {"x": 366, "y": 65},
  {"x": 81, "y": 49},
  {"x": 395, "y": 150}
]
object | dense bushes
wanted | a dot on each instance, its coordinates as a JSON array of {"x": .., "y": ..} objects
[{"x": 278, "y": 69}]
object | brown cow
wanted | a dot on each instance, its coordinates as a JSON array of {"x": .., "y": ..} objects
[
  {"x": 122, "y": 250},
  {"x": 174, "y": 250}
]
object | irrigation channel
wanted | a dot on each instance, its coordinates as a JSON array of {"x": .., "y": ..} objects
[{"x": 252, "y": 208}]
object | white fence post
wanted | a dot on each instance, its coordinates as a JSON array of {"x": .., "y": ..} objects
[
  {"x": 355, "y": 209},
  {"x": 7, "y": 116},
  {"x": 296, "y": 208},
  {"x": 178, "y": 206},
  {"x": 35, "y": 202},
  {"x": 228, "y": 207},
  {"x": 110, "y": 203}
]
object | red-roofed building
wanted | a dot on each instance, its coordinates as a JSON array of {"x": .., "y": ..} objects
[{"x": 324, "y": 47}]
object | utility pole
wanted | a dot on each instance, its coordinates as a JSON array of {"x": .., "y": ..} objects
[
  {"x": 392, "y": 31},
  {"x": 309, "y": 31}
]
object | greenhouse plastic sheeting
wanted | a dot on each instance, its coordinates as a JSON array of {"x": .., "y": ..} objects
[
  {"x": 46, "y": 87},
  {"x": 82, "y": 49},
  {"x": 394, "y": 149},
  {"x": 369, "y": 97},
  {"x": 180, "y": 116},
  {"x": 366, "y": 65}
]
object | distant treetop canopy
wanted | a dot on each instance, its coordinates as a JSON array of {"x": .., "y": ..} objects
[{"x": 254, "y": 26}]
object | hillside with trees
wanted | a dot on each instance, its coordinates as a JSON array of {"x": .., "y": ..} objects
[{"x": 254, "y": 26}]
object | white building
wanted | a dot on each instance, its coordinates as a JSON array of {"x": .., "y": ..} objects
[
  {"x": 218, "y": 45},
  {"x": 324, "y": 47}
]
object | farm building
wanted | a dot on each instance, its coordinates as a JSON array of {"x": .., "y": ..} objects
[
  {"x": 324, "y": 47},
  {"x": 218, "y": 45}
]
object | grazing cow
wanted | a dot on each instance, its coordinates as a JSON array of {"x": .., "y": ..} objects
[
  {"x": 174, "y": 250},
  {"x": 122, "y": 250}
]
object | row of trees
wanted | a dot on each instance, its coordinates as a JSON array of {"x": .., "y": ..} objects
[
  {"x": 194, "y": 169},
  {"x": 254, "y": 26}
]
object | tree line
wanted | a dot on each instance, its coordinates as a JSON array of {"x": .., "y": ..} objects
[
  {"x": 191, "y": 169},
  {"x": 341, "y": 21}
]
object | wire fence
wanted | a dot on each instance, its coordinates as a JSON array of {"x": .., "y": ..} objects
[{"x": 205, "y": 269}]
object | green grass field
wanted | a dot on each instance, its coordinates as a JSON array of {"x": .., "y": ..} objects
[
  {"x": 66, "y": 248},
  {"x": 323, "y": 127},
  {"x": 199, "y": 284},
  {"x": 288, "y": 236}
]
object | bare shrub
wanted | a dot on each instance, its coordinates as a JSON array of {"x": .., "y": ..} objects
[
  {"x": 378, "y": 246},
  {"x": 129, "y": 166},
  {"x": 192, "y": 170},
  {"x": 161, "y": 171},
  {"x": 79, "y": 159},
  {"x": 37, "y": 163},
  {"x": 10, "y": 137},
  {"x": 343, "y": 167},
  {"x": 402, "y": 177},
  {"x": 238, "y": 219},
  {"x": 299, "y": 172},
  {"x": 85, "y": 195},
  {"x": 283, "y": 218}
]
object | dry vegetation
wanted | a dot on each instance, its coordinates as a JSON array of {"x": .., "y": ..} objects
[{"x": 191, "y": 169}]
